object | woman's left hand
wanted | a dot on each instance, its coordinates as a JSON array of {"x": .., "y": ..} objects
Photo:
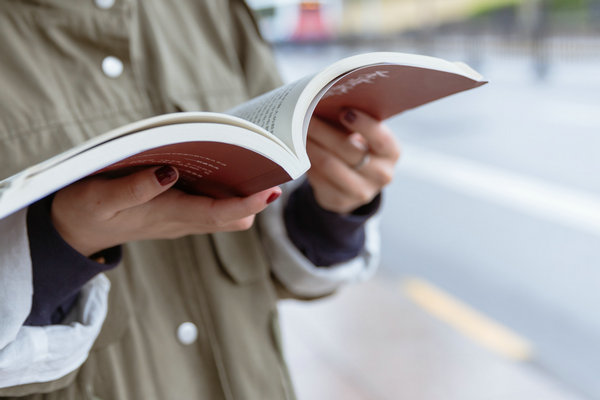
[{"x": 350, "y": 169}]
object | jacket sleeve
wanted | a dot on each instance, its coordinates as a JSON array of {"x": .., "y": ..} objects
[
  {"x": 30, "y": 354},
  {"x": 299, "y": 275}
]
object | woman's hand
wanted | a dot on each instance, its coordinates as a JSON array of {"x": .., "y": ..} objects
[
  {"x": 98, "y": 213},
  {"x": 349, "y": 170}
]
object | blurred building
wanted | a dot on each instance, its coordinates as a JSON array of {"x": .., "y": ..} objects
[
  {"x": 325, "y": 20},
  {"x": 297, "y": 20}
]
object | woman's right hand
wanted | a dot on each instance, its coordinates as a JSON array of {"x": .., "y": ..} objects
[{"x": 97, "y": 213}]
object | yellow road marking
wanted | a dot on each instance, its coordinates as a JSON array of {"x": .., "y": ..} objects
[{"x": 467, "y": 320}]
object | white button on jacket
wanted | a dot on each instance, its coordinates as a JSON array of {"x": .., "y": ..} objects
[
  {"x": 104, "y": 4},
  {"x": 112, "y": 67},
  {"x": 187, "y": 333}
]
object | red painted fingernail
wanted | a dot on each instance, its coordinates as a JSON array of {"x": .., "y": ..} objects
[
  {"x": 165, "y": 175},
  {"x": 350, "y": 116},
  {"x": 274, "y": 196}
]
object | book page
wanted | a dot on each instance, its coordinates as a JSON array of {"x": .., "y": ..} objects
[{"x": 273, "y": 110}]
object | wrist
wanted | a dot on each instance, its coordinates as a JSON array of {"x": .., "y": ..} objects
[
  {"x": 78, "y": 239},
  {"x": 58, "y": 270}
]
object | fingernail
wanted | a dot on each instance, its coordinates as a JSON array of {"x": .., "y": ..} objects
[
  {"x": 274, "y": 196},
  {"x": 350, "y": 116},
  {"x": 165, "y": 175}
]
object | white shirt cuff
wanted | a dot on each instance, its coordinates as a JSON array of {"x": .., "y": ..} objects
[
  {"x": 297, "y": 273},
  {"x": 16, "y": 287},
  {"x": 42, "y": 354}
]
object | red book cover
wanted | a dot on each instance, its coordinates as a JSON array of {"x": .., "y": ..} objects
[{"x": 213, "y": 169}]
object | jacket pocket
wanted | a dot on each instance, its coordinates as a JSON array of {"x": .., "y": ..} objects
[
  {"x": 241, "y": 256},
  {"x": 120, "y": 312}
]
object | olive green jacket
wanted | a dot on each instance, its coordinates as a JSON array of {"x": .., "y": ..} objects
[{"x": 58, "y": 89}]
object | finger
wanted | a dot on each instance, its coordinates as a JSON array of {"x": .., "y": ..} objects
[
  {"x": 119, "y": 194},
  {"x": 330, "y": 167},
  {"x": 349, "y": 147},
  {"x": 241, "y": 224},
  {"x": 338, "y": 200},
  {"x": 223, "y": 213},
  {"x": 380, "y": 139},
  {"x": 335, "y": 172},
  {"x": 379, "y": 171}
]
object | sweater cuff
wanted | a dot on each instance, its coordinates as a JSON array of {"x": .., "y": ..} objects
[
  {"x": 324, "y": 237},
  {"x": 59, "y": 271}
]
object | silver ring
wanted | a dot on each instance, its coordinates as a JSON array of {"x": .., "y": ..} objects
[{"x": 366, "y": 158}]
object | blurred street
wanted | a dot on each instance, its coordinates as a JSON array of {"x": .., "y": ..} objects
[{"x": 496, "y": 203}]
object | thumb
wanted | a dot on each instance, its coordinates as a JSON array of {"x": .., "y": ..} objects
[{"x": 137, "y": 188}]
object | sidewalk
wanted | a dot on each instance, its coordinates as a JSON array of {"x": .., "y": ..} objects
[{"x": 369, "y": 342}]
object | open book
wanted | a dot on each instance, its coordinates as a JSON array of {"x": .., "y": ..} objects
[{"x": 257, "y": 145}]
